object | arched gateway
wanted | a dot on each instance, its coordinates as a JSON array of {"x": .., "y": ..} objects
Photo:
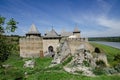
[{"x": 51, "y": 51}]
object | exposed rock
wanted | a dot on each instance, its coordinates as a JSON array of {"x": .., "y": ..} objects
[
  {"x": 49, "y": 54},
  {"x": 117, "y": 67},
  {"x": 29, "y": 63},
  {"x": 63, "y": 52},
  {"x": 103, "y": 58},
  {"x": 83, "y": 61},
  {"x": 80, "y": 69},
  {"x": 110, "y": 70},
  {"x": 6, "y": 66}
]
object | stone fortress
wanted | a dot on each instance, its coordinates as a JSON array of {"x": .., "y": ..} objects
[
  {"x": 67, "y": 45},
  {"x": 35, "y": 45}
]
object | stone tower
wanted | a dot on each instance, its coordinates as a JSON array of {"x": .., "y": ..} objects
[
  {"x": 76, "y": 32},
  {"x": 32, "y": 44},
  {"x": 50, "y": 41}
]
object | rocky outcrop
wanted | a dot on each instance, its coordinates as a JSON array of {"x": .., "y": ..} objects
[
  {"x": 63, "y": 51},
  {"x": 84, "y": 59},
  {"x": 81, "y": 63}
]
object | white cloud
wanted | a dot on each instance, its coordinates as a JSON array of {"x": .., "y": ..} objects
[
  {"x": 110, "y": 23},
  {"x": 112, "y": 26}
]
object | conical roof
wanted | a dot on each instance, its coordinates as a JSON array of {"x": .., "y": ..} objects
[
  {"x": 33, "y": 30},
  {"x": 76, "y": 29},
  {"x": 52, "y": 33},
  {"x": 64, "y": 33}
]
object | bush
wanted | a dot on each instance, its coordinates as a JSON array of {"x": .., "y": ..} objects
[
  {"x": 117, "y": 57},
  {"x": 12, "y": 74},
  {"x": 100, "y": 63},
  {"x": 117, "y": 68},
  {"x": 98, "y": 71},
  {"x": 86, "y": 63}
]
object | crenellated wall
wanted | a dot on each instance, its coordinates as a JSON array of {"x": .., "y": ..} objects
[
  {"x": 74, "y": 44},
  {"x": 31, "y": 47}
]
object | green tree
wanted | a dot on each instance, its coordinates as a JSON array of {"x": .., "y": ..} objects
[{"x": 5, "y": 43}]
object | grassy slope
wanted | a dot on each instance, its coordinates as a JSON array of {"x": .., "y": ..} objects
[
  {"x": 42, "y": 72},
  {"x": 110, "y": 51}
]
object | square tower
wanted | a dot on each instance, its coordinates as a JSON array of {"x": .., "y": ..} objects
[{"x": 32, "y": 44}]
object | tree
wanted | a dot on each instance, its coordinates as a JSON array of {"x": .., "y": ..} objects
[{"x": 5, "y": 45}]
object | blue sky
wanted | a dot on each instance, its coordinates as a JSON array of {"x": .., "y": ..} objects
[{"x": 94, "y": 18}]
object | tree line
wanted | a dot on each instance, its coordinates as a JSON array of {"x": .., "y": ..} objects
[{"x": 109, "y": 39}]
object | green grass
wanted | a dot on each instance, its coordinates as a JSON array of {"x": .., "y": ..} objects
[
  {"x": 67, "y": 76},
  {"x": 109, "y": 51}
]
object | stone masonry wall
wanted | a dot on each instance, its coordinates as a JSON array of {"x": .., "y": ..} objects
[
  {"x": 31, "y": 47},
  {"x": 50, "y": 42},
  {"x": 74, "y": 44}
]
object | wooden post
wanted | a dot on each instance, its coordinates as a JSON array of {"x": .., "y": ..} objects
[{"x": 41, "y": 54}]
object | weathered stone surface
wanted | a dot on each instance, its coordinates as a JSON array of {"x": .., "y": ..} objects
[
  {"x": 62, "y": 53},
  {"x": 102, "y": 57},
  {"x": 29, "y": 63},
  {"x": 50, "y": 42},
  {"x": 30, "y": 47},
  {"x": 76, "y": 44},
  {"x": 84, "y": 62}
]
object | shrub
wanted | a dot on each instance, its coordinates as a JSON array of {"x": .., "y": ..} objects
[
  {"x": 100, "y": 63},
  {"x": 98, "y": 71},
  {"x": 86, "y": 63},
  {"x": 117, "y": 57},
  {"x": 117, "y": 68}
]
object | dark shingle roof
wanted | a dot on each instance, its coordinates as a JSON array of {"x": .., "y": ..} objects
[{"x": 51, "y": 34}]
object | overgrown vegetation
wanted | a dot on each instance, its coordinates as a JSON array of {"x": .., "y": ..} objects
[
  {"x": 6, "y": 46},
  {"x": 98, "y": 71},
  {"x": 67, "y": 61},
  {"x": 110, "y": 52},
  {"x": 42, "y": 71},
  {"x": 86, "y": 63}
]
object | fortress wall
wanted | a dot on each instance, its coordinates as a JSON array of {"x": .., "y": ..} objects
[
  {"x": 31, "y": 47},
  {"x": 50, "y": 42},
  {"x": 77, "y": 35},
  {"x": 74, "y": 44},
  {"x": 78, "y": 39}
]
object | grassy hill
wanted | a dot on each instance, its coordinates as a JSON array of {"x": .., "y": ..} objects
[
  {"x": 42, "y": 71},
  {"x": 16, "y": 71}
]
